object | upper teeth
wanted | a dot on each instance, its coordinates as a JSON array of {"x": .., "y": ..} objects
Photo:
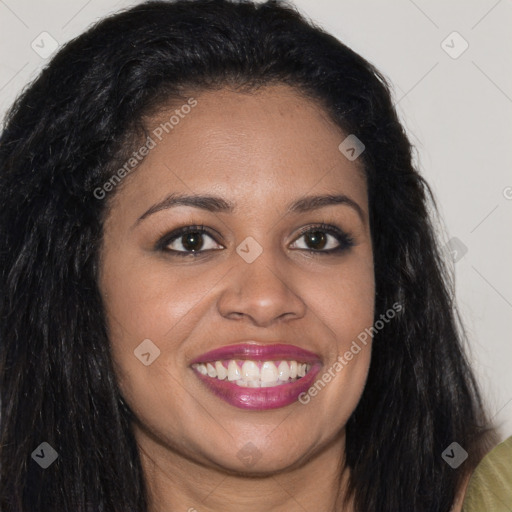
[{"x": 254, "y": 373}]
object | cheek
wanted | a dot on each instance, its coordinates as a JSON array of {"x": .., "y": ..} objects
[
  {"x": 144, "y": 305},
  {"x": 143, "y": 299},
  {"x": 146, "y": 301},
  {"x": 344, "y": 303},
  {"x": 343, "y": 298}
]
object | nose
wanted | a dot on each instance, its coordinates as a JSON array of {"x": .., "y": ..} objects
[{"x": 261, "y": 292}]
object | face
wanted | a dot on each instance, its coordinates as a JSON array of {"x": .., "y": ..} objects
[{"x": 262, "y": 273}]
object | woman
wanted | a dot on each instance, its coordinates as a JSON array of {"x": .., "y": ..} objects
[{"x": 221, "y": 285}]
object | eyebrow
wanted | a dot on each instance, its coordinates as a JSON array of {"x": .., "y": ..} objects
[{"x": 217, "y": 204}]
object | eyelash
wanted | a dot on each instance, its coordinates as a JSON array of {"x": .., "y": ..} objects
[{"x": 344, "y": 239}]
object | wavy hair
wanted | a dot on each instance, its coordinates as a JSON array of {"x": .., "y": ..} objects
[{"x": 62, "y": 138}]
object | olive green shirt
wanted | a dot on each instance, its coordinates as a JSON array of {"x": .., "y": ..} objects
[{"x": 490, "y": 485}]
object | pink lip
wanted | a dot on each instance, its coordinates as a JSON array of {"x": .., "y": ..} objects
[
  {"x": 258, "y": 353},
  {"x": 259, "y": 398}
]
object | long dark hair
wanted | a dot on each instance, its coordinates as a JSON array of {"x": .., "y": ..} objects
[{"x": 61, "y": 140}]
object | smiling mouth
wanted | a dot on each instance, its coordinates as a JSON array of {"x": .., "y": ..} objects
[{"x": 254, "y": 374}]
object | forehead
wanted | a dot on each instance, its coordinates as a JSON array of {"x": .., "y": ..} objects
[{"x": 271, "y": 142}]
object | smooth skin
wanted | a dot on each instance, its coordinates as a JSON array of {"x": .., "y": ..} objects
[{"x": 260, "y": 151}]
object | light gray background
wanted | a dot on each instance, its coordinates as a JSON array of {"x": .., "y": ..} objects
[{"x": 458, "y": 113}]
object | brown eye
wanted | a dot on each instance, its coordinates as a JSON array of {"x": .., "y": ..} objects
[
  {"x": 316, "y": 239},
  {"x": 190, "y": 240},
  {"x": 325, "y": 239}
]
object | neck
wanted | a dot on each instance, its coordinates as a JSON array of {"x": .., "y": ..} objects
[{"x": 175, "y": 482}]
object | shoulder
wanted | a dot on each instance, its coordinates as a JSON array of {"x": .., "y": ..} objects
[{"x": 490, "y": 485}]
